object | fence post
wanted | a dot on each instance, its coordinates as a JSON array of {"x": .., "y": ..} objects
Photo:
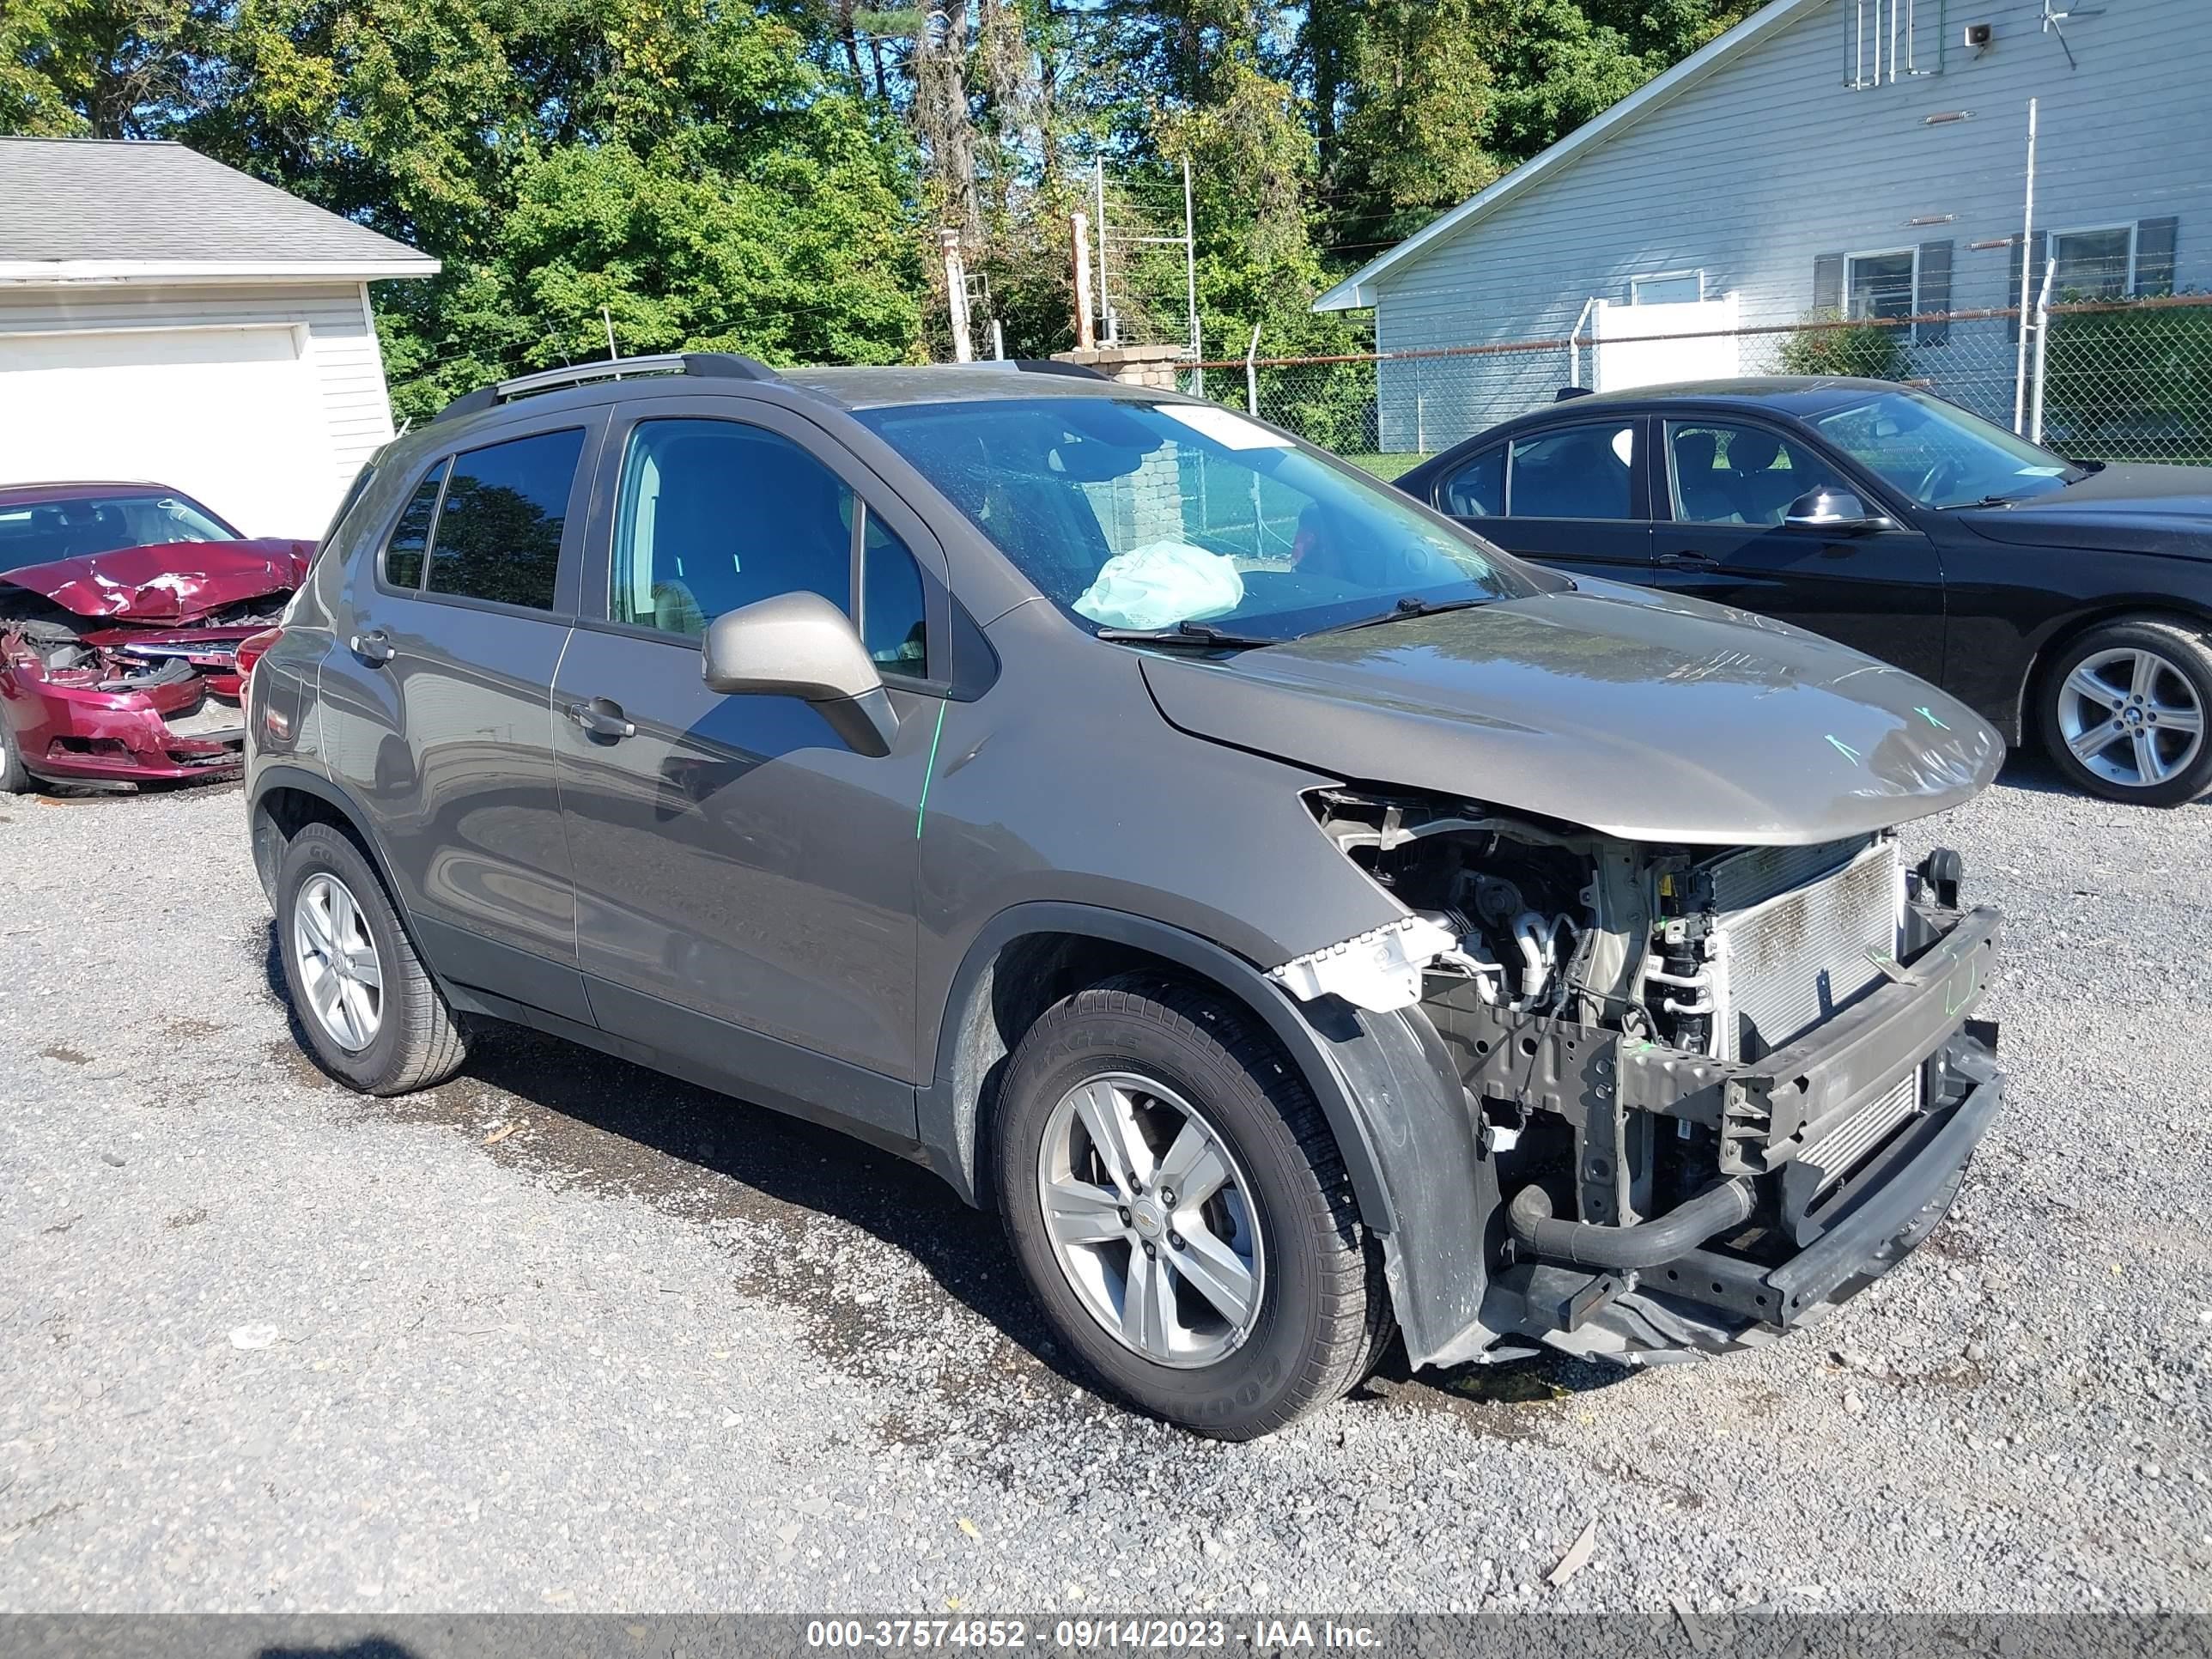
[
  {"x": 1252, "y": 375},
  {"x": 1420, "y": 408},
  {"x": 2042, "y": 344},
  {"x": 2027, "y": 242}
]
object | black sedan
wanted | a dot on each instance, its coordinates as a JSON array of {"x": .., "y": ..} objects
[{"x": 2069, "y": 603}]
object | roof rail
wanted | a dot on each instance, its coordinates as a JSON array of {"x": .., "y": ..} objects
[{"x": 709, "y": 365}]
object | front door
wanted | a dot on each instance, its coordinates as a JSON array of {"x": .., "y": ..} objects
[
  {"x": 437, "y": 699},
  {"x": 1571, "y": 496},
  {"x": 744, "y": 880},
  {"x": 1727, "y": 488}
]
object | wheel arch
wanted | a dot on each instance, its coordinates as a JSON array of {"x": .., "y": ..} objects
[
  {"x": 2162, "y": 608},
  {"x": 1027, "y": 957},
  {"x": 285, "y": 799}
]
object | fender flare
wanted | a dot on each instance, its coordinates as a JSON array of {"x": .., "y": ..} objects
[
  {"x": 1409, "y": 1135},
  {"x": 948, "y": 1124},
  {"x": 282, "y": 776}
]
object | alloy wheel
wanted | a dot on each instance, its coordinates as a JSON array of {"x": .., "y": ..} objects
[
  {"x": 1151, "y": 1220},
  {"x": 339, "y": 972},
  {"x": 2130, "y": 716}
]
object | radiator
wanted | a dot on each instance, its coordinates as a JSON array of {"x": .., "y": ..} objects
[{"x": 1802, "y": 932}]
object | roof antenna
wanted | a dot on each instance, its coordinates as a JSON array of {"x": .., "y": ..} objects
[{"x": 613, "y": 355}]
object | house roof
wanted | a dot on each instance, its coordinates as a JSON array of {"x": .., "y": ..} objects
[
  {"x": 1358, "y": 289},
  {"x": 83, "y": 209}
]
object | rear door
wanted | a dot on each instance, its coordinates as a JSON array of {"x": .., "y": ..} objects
[
  {"x": 1725, "y": 486},
  {"x": 745, "y": 880},
  {"x": 437, "y": 696},
  {"x": 1572, "y": 495}
]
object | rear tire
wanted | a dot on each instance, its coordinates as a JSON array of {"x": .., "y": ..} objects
[
  {"x": 2122, "y": 712},
  {"x": 1179, "y": 1061},
  {"x": 374, "y": 1018}
]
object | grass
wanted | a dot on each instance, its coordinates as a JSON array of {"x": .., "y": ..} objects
[{"x": 1385, "y": 467}]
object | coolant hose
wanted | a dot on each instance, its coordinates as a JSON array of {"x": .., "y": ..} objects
[{"x": 1644, "y": 1244}]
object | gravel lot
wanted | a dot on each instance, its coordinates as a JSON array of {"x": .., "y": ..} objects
[{"x": 563, "y": 1334}]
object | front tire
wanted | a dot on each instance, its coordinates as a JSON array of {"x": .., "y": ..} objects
[
  {"x": 1234, "y": 1305},
  {"x": 374, "y": 1018},
  {"x": 15, "y": 777},
  {"x": 2122, "y": 712}
]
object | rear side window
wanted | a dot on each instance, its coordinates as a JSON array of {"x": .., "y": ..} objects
[
  {"x": 498, "y": 534},
  {"x": 716, "y": 514},
  {"x": 1582, "y": 472},
  {"x": 410, "y": 537}
]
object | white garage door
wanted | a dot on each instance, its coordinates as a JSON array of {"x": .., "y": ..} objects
[{"x": 231, "y": 416}]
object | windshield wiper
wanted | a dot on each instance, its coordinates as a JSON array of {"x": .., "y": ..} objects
[
  {"x": 1409, "y": 607},
  {"x": 1203, "y": 636}
]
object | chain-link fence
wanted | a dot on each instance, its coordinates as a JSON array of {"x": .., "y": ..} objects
[{"x": 2099, "y": 380}]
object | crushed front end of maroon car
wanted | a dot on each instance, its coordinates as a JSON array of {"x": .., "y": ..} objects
[{"x": 121, "y": 666}]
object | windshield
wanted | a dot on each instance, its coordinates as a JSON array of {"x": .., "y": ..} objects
[
  {"x": 1145, "y": 516},
  {"x": 38, "y": 532},
  {"x": 1939, "y": 454}
]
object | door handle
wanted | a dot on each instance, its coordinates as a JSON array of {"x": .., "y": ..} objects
[
  {"x": 374, "y": 647},
  {"x": 1687, "y": 560},
  {"x": 601, "y": 717}
]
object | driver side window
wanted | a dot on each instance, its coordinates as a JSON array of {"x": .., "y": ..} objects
[{"x": 714, "y": 515}]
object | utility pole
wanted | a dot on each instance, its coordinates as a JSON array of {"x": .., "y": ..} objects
[
  {"x": 1079, "y": 223},
  {"x": 1105, "y": 292},
  {"x": 956, "y": 296}
]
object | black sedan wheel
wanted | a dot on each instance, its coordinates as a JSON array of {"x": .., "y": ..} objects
[{"x": 2124, "y": 711}]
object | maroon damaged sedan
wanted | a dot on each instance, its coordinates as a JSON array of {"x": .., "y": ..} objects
[{"x": 123, "y": 611}]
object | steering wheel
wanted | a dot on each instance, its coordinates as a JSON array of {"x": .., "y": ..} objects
[{"x": 1945, "y": 474}]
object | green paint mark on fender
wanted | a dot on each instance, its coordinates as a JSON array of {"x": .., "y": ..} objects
[
  {"x": 1844, "y": 748},
  {"x": 928, "y": 772},
  {"x": 1928, "y": 715}
]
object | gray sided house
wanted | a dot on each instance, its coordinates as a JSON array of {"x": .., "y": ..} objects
[{"x": 1847, "y": 157}]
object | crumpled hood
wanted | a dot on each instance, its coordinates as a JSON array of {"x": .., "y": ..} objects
[
  {"x": 171, "y": 582},
  {"x": 2121, "y": 509},
  {"x": 1640, "y": 714}
]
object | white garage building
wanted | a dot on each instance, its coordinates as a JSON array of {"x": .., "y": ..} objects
[{"x": 163, "y": 317}]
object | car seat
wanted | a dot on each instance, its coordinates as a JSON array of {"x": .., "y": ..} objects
[{"x": 1704, "y": 495}]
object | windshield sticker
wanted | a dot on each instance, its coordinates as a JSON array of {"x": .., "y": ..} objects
[
  {"x": 2041, "y": 472},
  {"x": 1226, "y": 427}
]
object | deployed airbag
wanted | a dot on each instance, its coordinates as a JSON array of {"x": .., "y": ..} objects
[{"x": 1160, "y": 584}]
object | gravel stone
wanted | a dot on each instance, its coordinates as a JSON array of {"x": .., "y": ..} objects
[{"x": 606, "y": 1361}]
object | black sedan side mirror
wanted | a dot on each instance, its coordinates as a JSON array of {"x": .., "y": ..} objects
[
  {"x": 1836, "y": 511},
  {"x": 799, "y": 645}
]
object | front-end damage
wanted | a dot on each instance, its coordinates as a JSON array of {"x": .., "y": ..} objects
[
  {"x": 108, "y": 681},
  {"x": 1715, "y": 1090}
]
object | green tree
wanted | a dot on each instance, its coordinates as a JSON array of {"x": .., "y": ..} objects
[{"x": 102, "y": 68}]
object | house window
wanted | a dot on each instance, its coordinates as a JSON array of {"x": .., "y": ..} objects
[
  {"x": 1669, "y": 288},
  {"x": 1880, "y": 284},
  {"x": 2096, "y": 263}
]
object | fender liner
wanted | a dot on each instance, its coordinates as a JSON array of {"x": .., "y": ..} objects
[{"x": 1410, "y": 1139}]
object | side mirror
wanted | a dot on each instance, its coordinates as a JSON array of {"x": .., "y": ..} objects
[
  {"x": 1833, "y": 510},
  {"x": 799, "y": 645}
]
